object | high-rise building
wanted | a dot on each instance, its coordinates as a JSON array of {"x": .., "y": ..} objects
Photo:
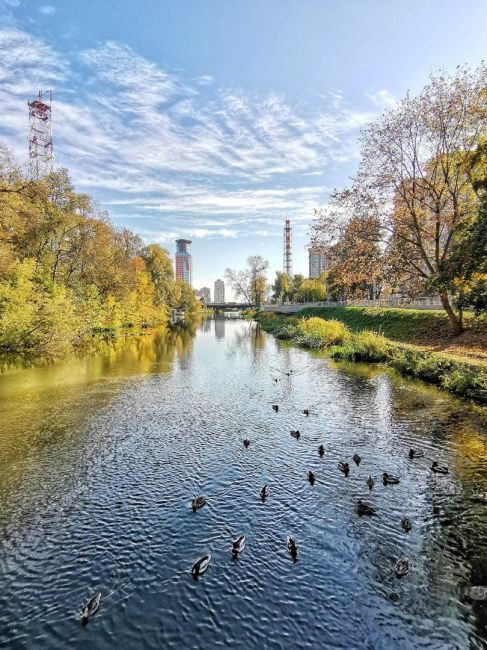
[
  {"x": 287, "y": 265},
  {"x": 184, "y": 261},
  {"x": 317, "y": 263},
  {"x": 219, "y": 292},
  {"x": 204, "y": 294}
]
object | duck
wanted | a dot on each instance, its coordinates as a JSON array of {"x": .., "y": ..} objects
[
  {"x": 365, "y": 509},
  {"x": 321, "y": 450},
  {"x": 439, "y": 469},
  {"x": 356, "y": 459},
  {"x": 479, "y": 497},
  {"x": 476, "y": 593},
  {"x": 246, "y": 442},
  {"x": 415, "y": 453},
  {"x": 406, "y": 524},
  {"x": 344, "y": 467},
  {"x": 238, "y": 545},
  {"x": 295, "y": 434},
  {"x": 198, "y": 503},
  {"x": 292, "y": 547},
  {"x": 275, "y": 406},
  {"x": 264, "y": 493},
  {"x": 370, "y": 482},
  {"x": 401, "y": 567},
  {"x": 461, "y": 542},
  {"x": 388, "y": 479},
  {"x": 311, "y": 477},
  {"x": 306, "y": 412},
  {"x": 91, "y": 607},
  {"x": 200, "y": 566}
]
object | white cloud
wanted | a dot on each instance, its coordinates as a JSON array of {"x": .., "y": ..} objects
[
  {"x": 382, "y": 99},
  {"x": 47, "y": 10},
  {"x": 156, "y": 152}
]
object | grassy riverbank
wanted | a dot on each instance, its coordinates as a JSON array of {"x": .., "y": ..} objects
[
  {"x": 427, "y": 329},
  {"x": 350, "y": 341}
]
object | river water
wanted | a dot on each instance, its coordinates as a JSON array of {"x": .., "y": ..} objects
[{"x": 101, "y": 456}]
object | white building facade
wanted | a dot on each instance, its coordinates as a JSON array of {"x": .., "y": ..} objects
[
  {"x": 219, "y": 292},
  {"x": 317, "y": 263}
]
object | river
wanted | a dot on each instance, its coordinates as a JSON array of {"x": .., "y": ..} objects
[{"x": 100, "y": 457}]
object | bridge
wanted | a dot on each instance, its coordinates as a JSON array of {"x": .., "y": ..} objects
[{"x": 229, "y": 305}]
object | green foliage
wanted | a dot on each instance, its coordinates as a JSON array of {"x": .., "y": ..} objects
[
  {"x": 318, "y": 333},
  {"x": 312, "y": 290},
  {"x": 464, "y": 379},
  {"x": 287, "y": 331},
  {"x": 397, "y": 324},
  {"x": 67, "y": 272},
  {"x": 364, "y": 346}
]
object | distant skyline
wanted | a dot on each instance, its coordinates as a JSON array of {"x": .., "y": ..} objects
[{"x": 216, "y": 121}]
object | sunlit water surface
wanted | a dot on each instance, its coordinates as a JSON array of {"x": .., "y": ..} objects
[{"x": 101, "y": 456}]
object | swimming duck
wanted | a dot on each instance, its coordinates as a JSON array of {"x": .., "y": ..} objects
[
  {"x": 306, "y": 412},
  {"x": 415, "y": 453},
  {"x": 344, "y": 467},
  {"x": 321, "y": 450},
  {"x": 311, "y": 477},
  {"x": 479, "y": 497},
  {"x": 292, "y": 547},
  {"x": 264, "y": 493},
  {"x": 388, "y": 479},
  {"x": 365, "y": 509},
  {"x": 200, "y": 566},
  {"x": 370, "y": 482},
  {"x": 476, "y": 593},
  {"x": 198, "y": 503},
  {"x": 91, "y": 607},
  {"x": 275, "y": 406},
  {"x": 438, "y": 469},
  {"x": 238, "y": 545},
  {"x": 295, "y": 434},
  {"x": 401, "y": 567},
  {"x": 246, "y": 442},
  {"x": 356, "y": 459},
  {"x": 406, "y": 524}
]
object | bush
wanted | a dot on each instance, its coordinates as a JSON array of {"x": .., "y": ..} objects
[
  {"x": 466, "y": 381},
  {"x": 287, "y": 331},
  {"x": 318, "y": 333},
  {"x": 368, "y": 346}
]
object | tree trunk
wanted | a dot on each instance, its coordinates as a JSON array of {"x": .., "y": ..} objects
[{"x": 455, "y": 322}]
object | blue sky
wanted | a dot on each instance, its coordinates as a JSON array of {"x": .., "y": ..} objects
[{"x": 218, "y": 119}]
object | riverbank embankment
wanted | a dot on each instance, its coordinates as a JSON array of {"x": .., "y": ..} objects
[{"x": 356, "y": 334}]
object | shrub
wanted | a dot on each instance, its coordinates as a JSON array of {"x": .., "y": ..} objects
[
  {"x": 318, "y": 333},
  {"x": 370, "y": 346},
  {"x": 287, "y": 331}
]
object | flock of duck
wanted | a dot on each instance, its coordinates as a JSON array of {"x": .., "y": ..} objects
[{"x": 401, "y": 567}]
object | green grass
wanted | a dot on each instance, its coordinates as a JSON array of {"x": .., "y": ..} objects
[
  {"x": 419, "y": 325},
  {"x": 346, "y": 343}
]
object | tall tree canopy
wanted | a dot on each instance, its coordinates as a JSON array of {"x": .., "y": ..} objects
[
  {"x": 414, "y": 180},
  {"x": 66, "y": 271},
  {"x": 250, "y": 283}
]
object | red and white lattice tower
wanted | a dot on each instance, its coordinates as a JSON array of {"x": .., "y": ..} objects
[
  {"x": 40, "y": 135},
  {"x": 288, "y": 249}
]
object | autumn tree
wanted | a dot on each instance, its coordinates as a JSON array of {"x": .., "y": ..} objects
[
  {"x": 356, "y": 262},
  {"x": 66, "y": 271},
  {"x": 282, "y": 289},
  {"x": 414, "y": 179},
  {"x": 250, "y": 283},
  {"x": 311, "y": 290}
]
